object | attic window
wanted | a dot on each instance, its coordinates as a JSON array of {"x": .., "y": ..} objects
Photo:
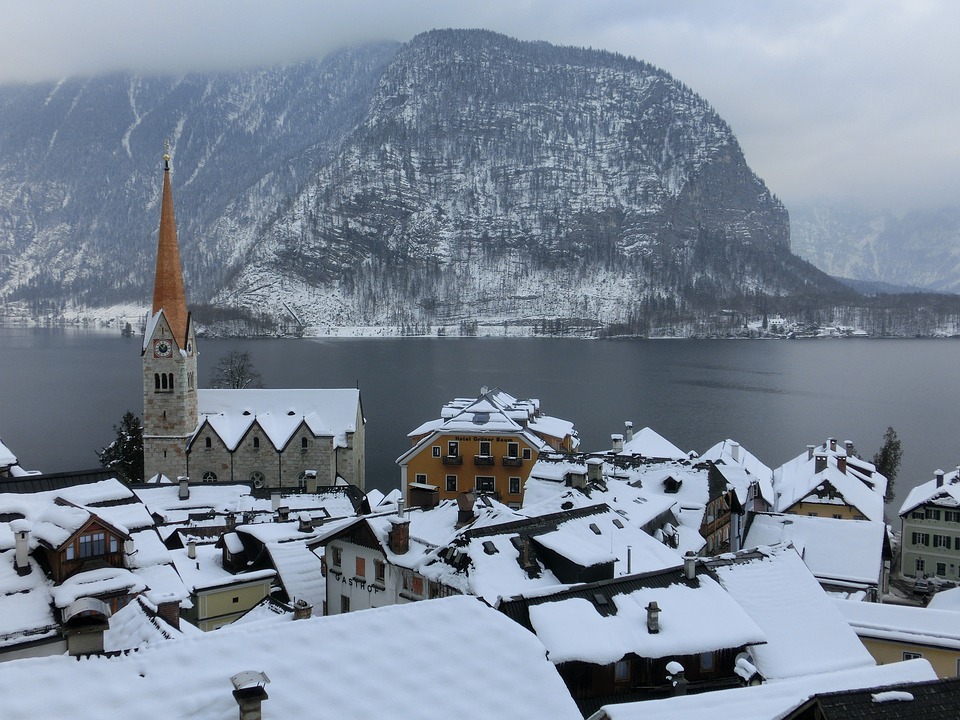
[
  {"x": 481, "y": 418},
  {"x": 246, "y": 412},
  {"x": 489, "y": 548},
  {"x": 600, "y": 599},
  {"x": 596, "y": 530},
  {"x": 618, "y": 523}
]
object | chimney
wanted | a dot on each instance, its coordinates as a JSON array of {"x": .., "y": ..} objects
[
  {"x": 617, "y": 441},
  {"x": 192, "y": 549},
  {"x": 21, "y": 530},
  {"x": 305, "y": 522},
  {"x": 401, "y": 505},
  {"x": 848, "y": 446},
  {"x": 595, "y": 470},
  {"x": 653, "y": 618},
  {"x": 250, "y": 693},
  {"x": 302, "y": 610},
  {"x": 690, "y": 565},
  {"x": 939, "y": 475},
  {"x": 821, "y": 464},
  {"x": 465, "y": 514},
  {"x": 842, "y": 463},
  {"x": 809, "y": 452},
  {"x": 833, "y": 444},
  {"x": 399, "y": 535},
  {"x": 231, "y": 522},
  {"x": 84, "y": 622},
  {"x": 283, "y": 513},
  {"x": 628, "y": 431},
  {"x": 275, "y": 501},
  {"x": 735, "y": 451},
  {"x": 484, "y": 390},
  {"x": 577, "y": 479},
  {"x": 184, "y": 493},
  {"x": 168, "y": 608},
  {"x": 629, "y": 559}
]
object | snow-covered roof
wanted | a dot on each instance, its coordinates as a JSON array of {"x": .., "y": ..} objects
[
  {"x": 206, "y": 571},
  {"x": 804, "y": 631},
  {"x": 300, "y": 572},
  {"x": 798, "y": 479},
  {"x": 455, "y": 638},
  {"x": 7, "y": 458},
  {"x": 842, "y": 550},
  {"x": 731, "y": 456},
  {"x": 692, "y": 620},
  {"x": 948, "y": 495},
  {"x": 135, "y": 625},
  {"x": 902, "y": 623},
  {"x": 770, "y": 700},
  {"x": 945, "y": 600},
  {"x": 26, "y": 603},
  {"x": 326, "y": 412},
  {"x": 650, "y": 444}
]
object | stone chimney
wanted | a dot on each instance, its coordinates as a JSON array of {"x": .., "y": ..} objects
[
  {"x": 595, "y": 470},
  {"x": 184, "y": 493},
  {"x": 939, "y": 475},
  {"x": 735, "y": 451},
  {"x": 821, "y": 464},
  {"x": 653, "y": 617},
  {"x": 399, "y": 535},
  {"x": 628, "y": 431},
  {"x": 305, "y": 522},
  {"x": 690, "y": 565},
  {"x": 833, "y": 444},
  {"x": 810, "y": 452},
  {"x": 283, "y": 513},
  {"x": 617, "y": 442},
  {"x": 577, "y": 479},
  {"x": 302, "y": 610},
  {"x": 168, "y": 608},
  {"x": 848, "y": 446},
  {"x": 842, "y": 463},
  {"x": 465, "y": 503},
  {"x": 21, "y": 531}
]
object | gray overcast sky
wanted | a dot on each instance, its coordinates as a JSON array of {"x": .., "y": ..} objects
[{"x": 829, "y": 98}]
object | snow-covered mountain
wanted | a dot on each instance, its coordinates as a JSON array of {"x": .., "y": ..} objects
[
  {"x": 920, "y": 248},
  {"x": 458, "y": 178}
]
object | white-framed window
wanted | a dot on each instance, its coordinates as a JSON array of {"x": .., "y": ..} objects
[
  {"x": 918, "y": 565},
  {"x": 436, "y": 451},
  {"x": 337, "y": 556},
  {"x": 485, "y": 447},
  {"x": 514, "y": 486},
  {"x": 941, "y": 541},
  {"x": 919, "y": 538},
  {"x": 451, "y": 483},
  {"x": 931, "y": 513},
  {"x": 513, "y": 450},
  {"x": 911, "y": 655},
  {"x": 453, "y": 449},
  {"x": 379, "y": 570},
  {"x": 526, "y": 454},
  {"x": 485, "y": 483},
  {"x": 941, "y": 569},
  {"x": 421, "y": 478}
]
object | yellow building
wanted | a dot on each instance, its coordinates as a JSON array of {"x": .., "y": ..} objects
[
  {"x": 893, "y": 633},
  {"x": 486, "y": 445}
]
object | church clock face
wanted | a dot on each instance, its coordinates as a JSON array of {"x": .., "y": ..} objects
[{"x": 162, "y": 349}]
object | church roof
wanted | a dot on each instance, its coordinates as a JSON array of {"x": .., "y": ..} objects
[
  {"x": 231, "y": 413},
  {"x": 168, "y": 292}
]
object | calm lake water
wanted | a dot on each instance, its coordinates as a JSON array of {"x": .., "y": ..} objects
[{"x": 62, "y": 390}]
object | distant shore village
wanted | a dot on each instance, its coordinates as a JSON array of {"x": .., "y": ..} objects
[{"x": 253, "y": 573}]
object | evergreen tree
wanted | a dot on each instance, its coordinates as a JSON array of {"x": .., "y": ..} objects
[
  {"x": 125, "y": 454},
  {"x": 887, "y": 461}
]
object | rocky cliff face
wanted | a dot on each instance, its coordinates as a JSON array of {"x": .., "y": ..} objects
[{"x": 461, "y": 177}]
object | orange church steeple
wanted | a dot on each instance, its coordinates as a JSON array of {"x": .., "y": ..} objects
[{"x": 168, "y": 293}]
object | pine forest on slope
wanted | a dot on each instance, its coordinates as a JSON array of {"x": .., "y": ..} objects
[{"x": 460, "y": 178}]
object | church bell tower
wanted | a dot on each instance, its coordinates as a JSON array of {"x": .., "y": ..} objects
[{"x": 169, "y": 356}]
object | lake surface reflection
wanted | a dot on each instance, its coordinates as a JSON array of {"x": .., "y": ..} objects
[{"x": 63, "y": 390}]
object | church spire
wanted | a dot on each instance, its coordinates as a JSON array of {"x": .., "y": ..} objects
[{"x": 168, "y": 293}]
